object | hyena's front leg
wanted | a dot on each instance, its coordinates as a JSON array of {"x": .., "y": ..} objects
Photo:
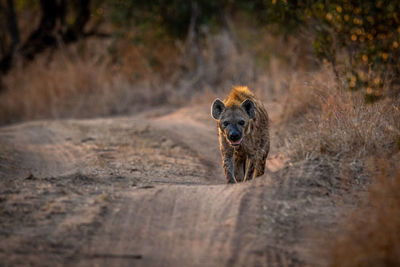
[
  {"x": 249, "y": 169},
  {"x": 229, "y": 169},
  {"x": 239, "y": 163}
]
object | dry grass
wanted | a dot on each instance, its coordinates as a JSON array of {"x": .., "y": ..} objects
[
  {"x": 74, "y": 82},
  {"x": 372, "y": 236},
  {"x": 86, "y": 80},
  {"x": 325, "y": 120}
]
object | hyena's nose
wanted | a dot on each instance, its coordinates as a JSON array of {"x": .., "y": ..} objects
[{"x": 235, "y": 136}]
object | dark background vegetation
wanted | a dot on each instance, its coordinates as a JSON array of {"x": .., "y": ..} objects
[
  {"x": 332, "y": 65},
  {"x": 357, "y": 38}
]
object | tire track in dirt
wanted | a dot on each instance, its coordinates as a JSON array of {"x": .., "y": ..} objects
[{"x": 171, "y": 226}]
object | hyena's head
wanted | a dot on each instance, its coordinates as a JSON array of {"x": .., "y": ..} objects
[{"x": 233, "y": 120}]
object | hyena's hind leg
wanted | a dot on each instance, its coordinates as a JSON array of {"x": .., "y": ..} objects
[{"x": 260, "y": 167}]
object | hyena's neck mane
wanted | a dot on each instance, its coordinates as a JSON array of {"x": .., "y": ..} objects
[{"x": 238, "y": 95}]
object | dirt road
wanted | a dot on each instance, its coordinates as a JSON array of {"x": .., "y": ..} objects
[{"x": 149, "y": 191}]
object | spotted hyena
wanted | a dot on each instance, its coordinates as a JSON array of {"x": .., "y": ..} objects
[{"x": 243, "y": 134}]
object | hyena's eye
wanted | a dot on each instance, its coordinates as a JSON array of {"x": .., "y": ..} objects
[
  {"x": 241, "y": 122},
  {"x": 225, "y": 123}
]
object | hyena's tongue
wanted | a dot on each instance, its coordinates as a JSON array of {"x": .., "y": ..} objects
[{"x": 236, "y": 143}]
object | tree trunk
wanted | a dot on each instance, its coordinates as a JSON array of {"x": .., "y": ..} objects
[
  {"x": 5, "y": 62},
  {"x": 12, "y": 25},
  {"x": 43, "y": 36},
  {"x": 52, "y": 28}
]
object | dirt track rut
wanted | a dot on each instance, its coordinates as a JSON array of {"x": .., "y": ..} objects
[{"x": 149, "y": 191}]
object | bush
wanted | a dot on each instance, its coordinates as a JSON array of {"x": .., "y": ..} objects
[{"x": 360, "y": 39}]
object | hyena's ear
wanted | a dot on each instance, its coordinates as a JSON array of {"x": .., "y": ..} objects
[
  {"x": 249, "y": 107},
  {"x": 217, "y": 108}
]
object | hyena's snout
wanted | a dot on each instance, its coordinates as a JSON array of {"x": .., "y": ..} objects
[{"x": 235, "y": 136}]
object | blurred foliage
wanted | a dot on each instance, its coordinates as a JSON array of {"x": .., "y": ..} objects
[
  {"x": 172, "y": 17},
  {"x": 360, "y": 39},
  {"x": 369, "y": 33}
]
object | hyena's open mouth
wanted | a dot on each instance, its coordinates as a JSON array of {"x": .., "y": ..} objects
[{"x": 236, "y": 143}]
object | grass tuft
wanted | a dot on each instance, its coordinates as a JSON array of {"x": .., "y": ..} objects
[{"x": 338, "y": 123}]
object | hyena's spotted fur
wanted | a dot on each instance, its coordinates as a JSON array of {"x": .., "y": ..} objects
[{"x": 243, "y": 130}]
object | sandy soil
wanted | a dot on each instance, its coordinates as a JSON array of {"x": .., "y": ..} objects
[{"x": 149, "y": 190}]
